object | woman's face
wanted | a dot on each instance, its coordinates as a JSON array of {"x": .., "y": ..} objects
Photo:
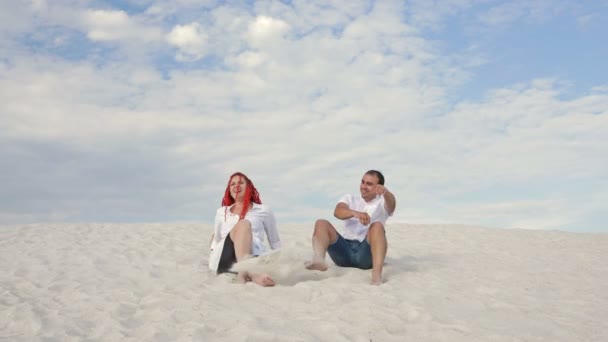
[{"x": 237, "y": 187}]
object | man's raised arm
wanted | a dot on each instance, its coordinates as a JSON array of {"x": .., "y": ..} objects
[{"x": 389, "y": 201}]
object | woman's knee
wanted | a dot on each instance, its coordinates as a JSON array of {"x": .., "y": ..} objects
[{"x": 242, "y": 227}]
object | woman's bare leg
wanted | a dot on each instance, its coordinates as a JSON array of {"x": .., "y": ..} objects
[{"x": 241, "y": 237}]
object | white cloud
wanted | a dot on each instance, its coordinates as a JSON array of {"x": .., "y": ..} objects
[
  {"x": 524, "y": 214},
  {"x": 248, "y": 59},
  {"x": 14, "y": 17},
  {"x": 265, "y": 31},
  {"x": 425, "y": 14},
  {"x": 190, "y": 39},
  {"x": 108, "y": 25},
  {"x": 303, "y": 104},
  {"x": 39, "y": 5},
  {"x": 111, "y": 25},
  {"x": 509, "y": 12},
  {"x": 585, "y": 19}
]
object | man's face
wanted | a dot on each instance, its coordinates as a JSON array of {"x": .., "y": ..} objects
[
  {"x": 368, "y": 187},
  {"x": 237, "y": 187}
]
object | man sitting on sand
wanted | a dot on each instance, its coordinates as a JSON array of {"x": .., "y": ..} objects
[{"x": 363, "y": 243}]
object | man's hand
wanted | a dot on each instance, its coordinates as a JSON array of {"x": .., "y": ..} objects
[
  {"x": 389, "y": 198},
  {"x": 362, "y": 217},
  {"x": 380, "y": 190}
]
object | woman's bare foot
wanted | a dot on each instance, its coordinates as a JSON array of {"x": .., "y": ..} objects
[
  {"x": 315, "y": 265},
  {"x": 261, "y": 279},
  {"x": 242, "y": 278}
]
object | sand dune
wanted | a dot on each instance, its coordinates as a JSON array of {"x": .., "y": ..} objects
[{"x": 149, "y": 282}]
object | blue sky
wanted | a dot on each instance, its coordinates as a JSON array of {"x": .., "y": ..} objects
[{"x": 491, "y": 113}]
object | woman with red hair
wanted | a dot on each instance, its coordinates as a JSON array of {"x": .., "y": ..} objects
[{"x": 241, "y": 225}]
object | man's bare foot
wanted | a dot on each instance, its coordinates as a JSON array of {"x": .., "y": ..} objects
[
  {"x": 262, "y": 279},
  {"x": 376, "y": 280},
  {"x": 315, "y": 266}
]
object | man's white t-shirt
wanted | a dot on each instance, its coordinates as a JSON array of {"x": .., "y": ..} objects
[{"x": 353, "y": 229}]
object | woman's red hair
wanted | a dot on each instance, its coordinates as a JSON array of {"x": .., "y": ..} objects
[{"x": 251, "y": 195}]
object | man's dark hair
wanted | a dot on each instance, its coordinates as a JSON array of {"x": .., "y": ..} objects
[{"x": 378, "y": 175}]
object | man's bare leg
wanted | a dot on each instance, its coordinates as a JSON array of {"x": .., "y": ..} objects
[
  {"x": 377, "y": 240},
  {"x": 323, "y": 235},
  {"x": 241, "y": 236}
]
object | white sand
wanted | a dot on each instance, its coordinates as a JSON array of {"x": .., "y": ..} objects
[{"x": 111, "y": 282}]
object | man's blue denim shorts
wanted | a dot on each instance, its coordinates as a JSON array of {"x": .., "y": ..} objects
[{"x": 351, "y": 253}]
